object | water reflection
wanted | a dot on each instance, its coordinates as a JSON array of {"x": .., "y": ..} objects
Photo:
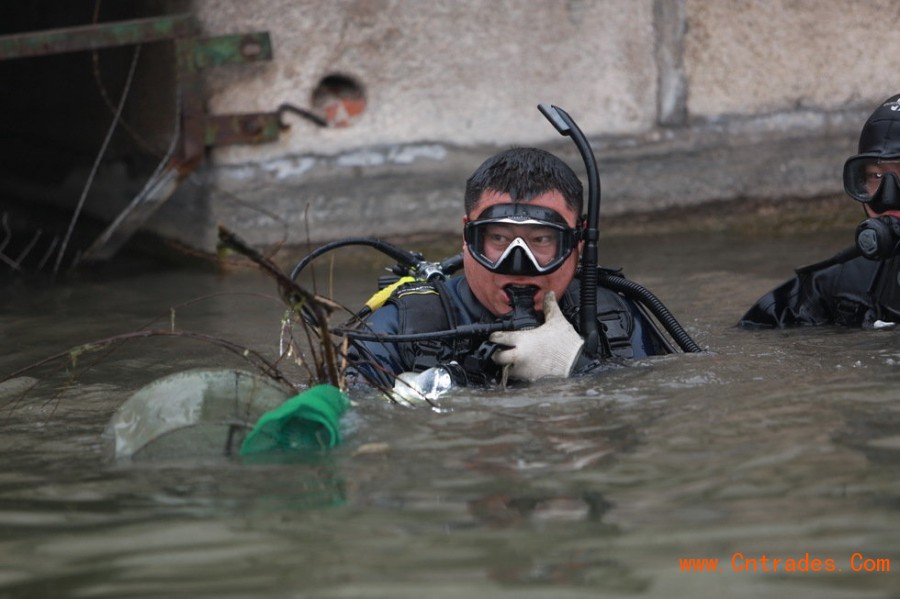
[{"x": 774, "y": 443}]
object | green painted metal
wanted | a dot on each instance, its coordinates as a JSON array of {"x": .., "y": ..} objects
[
  {"x": 193, "y": 54},
  {"x": 231, "y": 49},
  {"x": 92, "y": 37}
]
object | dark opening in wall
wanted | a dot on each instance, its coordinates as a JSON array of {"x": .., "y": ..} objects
[{"x": 340, "y": 99}]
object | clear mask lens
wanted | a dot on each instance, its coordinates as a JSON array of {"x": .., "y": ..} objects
[
  {"x": 519, "y": 239},
  {"x": 865, "y": 177}
]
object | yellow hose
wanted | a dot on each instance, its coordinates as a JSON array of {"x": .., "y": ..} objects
[{"x": 377, "y": 300}]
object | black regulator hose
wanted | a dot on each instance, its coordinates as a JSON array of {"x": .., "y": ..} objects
[
  {"x": 657, "y": 308},
  {"x": 521, "y": 316},
  {"x": 452, "y": 264},
  {"x": 400, "y": 255},
  {"x": 463, "y": 330}
]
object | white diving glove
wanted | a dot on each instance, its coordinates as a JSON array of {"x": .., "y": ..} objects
[{"x": 548, "y": 350}]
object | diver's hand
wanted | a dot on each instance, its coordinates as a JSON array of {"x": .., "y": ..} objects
[{"x": 548, "y": 350}]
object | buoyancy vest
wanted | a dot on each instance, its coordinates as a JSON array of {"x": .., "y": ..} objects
[
  {"x": 846, "y": 289},
  {"x": 426, "y": 308}
]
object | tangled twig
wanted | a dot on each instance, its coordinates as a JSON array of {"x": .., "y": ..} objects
[{"x": 296, "y": 298}]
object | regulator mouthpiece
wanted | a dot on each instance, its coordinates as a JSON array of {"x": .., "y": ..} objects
[
  {"x": 879, "y": 238},
  {"x": 523, "y": 315}
]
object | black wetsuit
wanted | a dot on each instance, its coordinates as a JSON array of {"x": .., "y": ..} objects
[
  {"x": 421, "y": 308},
  {"x": 847, "y": 290}
]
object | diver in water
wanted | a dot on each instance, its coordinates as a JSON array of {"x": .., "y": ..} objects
[
  {"x": 859, "y": 286},
  {"x": 523, "y": 235}
]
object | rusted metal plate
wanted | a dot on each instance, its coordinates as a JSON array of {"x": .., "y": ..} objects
[
  {"x": 201, "y": 129},
  {"x": 92, "y": 37},
  {"x": 248, "y": 128}
]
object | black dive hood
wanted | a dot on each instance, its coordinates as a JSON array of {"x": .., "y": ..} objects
[{"x": 880, "y": 136}]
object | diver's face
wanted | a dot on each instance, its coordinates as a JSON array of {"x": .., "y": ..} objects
[
  {"x": 489, "y": 287},
  {"x": 875, "y": 173}
]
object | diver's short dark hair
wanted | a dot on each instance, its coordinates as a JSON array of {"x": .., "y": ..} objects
[{"x": 524, "y": 173}]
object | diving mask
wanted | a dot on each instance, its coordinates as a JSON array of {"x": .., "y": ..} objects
[
  {"x": 874, "y": 181},
  {"x": 520, "y": 239}
]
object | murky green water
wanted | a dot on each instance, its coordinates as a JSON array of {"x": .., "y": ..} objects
[{"x": 776, "y": 444}]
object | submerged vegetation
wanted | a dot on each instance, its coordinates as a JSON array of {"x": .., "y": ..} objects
[{"x": 306, "y": 341}]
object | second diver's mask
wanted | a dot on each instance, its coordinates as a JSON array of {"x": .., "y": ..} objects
[
  {"x": 872, "y": 176},
  {"x": 520, "y": 239},
  {"x": 873, "y": 181}
]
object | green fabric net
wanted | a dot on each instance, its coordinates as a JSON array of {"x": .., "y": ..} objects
[{"x": 310, "y": 420}]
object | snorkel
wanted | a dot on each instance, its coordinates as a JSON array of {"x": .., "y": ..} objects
[
  {"x": 590, "y": 276},
  {"x": 567, "y": 127}
]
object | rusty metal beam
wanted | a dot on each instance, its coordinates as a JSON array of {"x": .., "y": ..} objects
[
  {"x": 231, "y": 49},
  {"x": 93, "y": 37}
]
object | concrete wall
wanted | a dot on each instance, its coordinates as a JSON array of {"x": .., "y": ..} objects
[{"x": 685, "y": 101}]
